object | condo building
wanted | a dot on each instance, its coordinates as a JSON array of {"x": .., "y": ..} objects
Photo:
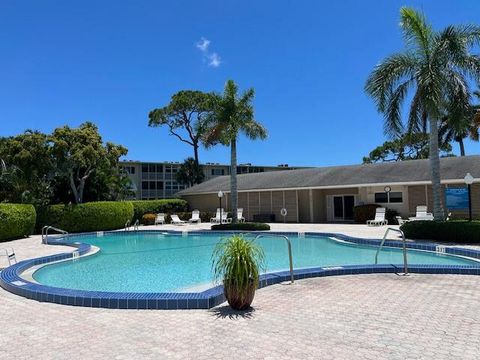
[{"x": 158, "y": 180}]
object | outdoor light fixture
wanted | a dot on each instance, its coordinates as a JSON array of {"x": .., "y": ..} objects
[
  {"x": 387, "y": 189},
  {"x": 220, "y": 196},
  {"x": 469, "y": 181}
]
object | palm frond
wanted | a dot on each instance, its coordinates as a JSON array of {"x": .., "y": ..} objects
[
  {"x": 388, "y": 74},
  {"x": 416, "y": 31}
]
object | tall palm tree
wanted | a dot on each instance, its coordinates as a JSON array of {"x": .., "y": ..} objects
[
  {"x": 233, "y": 115},
  {"x": 435, "y": 68}
]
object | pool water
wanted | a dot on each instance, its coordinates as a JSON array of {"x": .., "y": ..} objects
[{"x": 170, "y": 262}]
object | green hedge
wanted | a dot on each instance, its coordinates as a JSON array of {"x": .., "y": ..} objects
[
  {"x": 242, "y": 226},
  {"x": 444, "y": 231},
  {"x": 92, "y": 216},
  {"x": 16, "y": 221},
  {"x": 168, "y": 206},
  {"x": 362, "y": 213}
]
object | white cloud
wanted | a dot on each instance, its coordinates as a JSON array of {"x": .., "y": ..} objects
[
  {"x": 211, "y": 58},
  {"x": 214, "y": 60},
  {"x": 203, "y": 45}
]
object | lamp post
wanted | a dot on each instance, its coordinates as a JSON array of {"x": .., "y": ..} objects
[
  {"x": 220, "y": 195},
  {"x": 469, "y": 181}
]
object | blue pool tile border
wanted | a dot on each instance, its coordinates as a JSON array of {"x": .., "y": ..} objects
[{"x": 11, "y": 280}]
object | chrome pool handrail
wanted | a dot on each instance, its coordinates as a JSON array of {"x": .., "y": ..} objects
[
  {"x": 45, "y": 230},
  {"x": 405, "y": 262},
  {"x": 290, "y": 258}
]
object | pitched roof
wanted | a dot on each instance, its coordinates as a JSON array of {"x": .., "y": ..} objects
[{"x": 402, "y": 172}]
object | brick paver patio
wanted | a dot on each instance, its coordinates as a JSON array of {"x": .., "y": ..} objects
[{"x": 349, "y": 317}]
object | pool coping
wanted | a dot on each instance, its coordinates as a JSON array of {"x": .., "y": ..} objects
[{"x": 12, "y": 281}]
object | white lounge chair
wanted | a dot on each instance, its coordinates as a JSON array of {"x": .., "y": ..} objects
[
  {"x": 216, "y": 219},
  {"x": 379, "y": 218},
  {"x": 422, "y": 214},
  {"x": 400, "y": 220},
  {"x": 160, "y": 219},
  {"x": 240, "y": 217},
  {"x": 176, "y": 220},
  {"x": 226, "y": 220},
  {"x": 195, "y": 217}
]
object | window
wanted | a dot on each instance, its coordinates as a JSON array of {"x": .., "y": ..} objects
[
  {"x": 152, "y": 168},
  {"x": 218, "y": 172},
  {"x": 381, "y": 197},
  {"x": 396, "y": 197},
  {"x": 144, "y": 185},
  {"x": 152, "y": 185},
  {"x": 144, "y": 168},
  {"x": 159, "y": 185},
  {"x": 391, "y": 197}
]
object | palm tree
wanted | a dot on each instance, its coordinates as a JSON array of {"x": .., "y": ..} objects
[
  {"x": 458, "y": 126},
  {"x": 435, "y": 68},
  {"x": 233, "y": 115}
]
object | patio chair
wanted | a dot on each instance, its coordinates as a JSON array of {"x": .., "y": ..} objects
[
  {"x": 400, "y": 220},
  {"x": 240, "y": 217},
  {"x": 176, "y": 220},
  {"x": 226, "y": 220},
  {"x": 160, "y": 219},
  {"x": 421, "y": 214},
  {"x": 379, "y": 218},
  {"x": 195, "y": 217},
  {"x": 216, "y": 219}
]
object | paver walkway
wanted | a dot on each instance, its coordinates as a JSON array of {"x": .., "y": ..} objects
[{"x": 349, "y": 317}]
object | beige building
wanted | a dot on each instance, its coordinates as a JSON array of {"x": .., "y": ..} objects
[
  {"x": 157, "y": 180},
  {"x": 329, "y": 194}
]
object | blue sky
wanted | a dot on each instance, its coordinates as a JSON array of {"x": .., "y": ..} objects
[{"x": 111, "y": 62}]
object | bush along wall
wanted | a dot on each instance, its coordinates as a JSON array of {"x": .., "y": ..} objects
[
  {"x": 93, "y": 216},
  {"x": 242, "y": 226},
  {"x": 16, "y": 221},
  {"x": 167, "y": 206},
  {"x": 443, "y": 231}
]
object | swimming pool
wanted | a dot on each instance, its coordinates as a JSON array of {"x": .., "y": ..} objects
[
  {"x": 171, "y": 270},
  {"x": 156, "y": 262}
]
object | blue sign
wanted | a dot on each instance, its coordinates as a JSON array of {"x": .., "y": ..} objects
[{"x": 457, "y": 198}]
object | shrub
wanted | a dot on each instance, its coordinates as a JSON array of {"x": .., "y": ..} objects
[
  {"x": 93, "y": 216},
  {"x": 242, "y": 226},
  {"x": 16, "y": 221},
  {"x": 168, "y": 206},
  {"x": 444, "y": 231},
  {"x": 148, "y": 219},
  {"x": 362, "y": 213}
]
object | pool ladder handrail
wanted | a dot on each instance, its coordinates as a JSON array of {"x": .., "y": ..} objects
[
  {"x": 404, "y": 246},
  {"x": 289, "y": 244},
  {"x": 9, "y": 253},
  {"x": 45, "y": 230},
  {"x": 127, "y": 225}
]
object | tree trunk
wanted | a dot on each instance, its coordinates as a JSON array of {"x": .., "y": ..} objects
[
  {"x": 195, "y": 152},
  {"x": 81, "y": 187},
  {"x": 462, "y": 146},
  {"x": 438, "y": 213},
  {"x": 233, "y": 179},
  {"x": 74, "y": 188}
]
